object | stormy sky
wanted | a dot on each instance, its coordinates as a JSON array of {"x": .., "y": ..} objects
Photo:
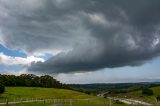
[{"x": 67, "y": 37}]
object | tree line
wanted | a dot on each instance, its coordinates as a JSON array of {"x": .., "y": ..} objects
[{"x": 31, "y": 80}]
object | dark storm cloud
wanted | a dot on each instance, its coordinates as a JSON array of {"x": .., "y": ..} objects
[{"x": 96, "y": 33}]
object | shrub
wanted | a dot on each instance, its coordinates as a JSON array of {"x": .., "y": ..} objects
[
  {"x": 147, "y": 91},
  {"x": 118, "y": 102},
  {"x": 158, "y": 98}
]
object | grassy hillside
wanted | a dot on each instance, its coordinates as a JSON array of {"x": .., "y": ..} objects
[
  {"x": 139, "y": 96},
  {"x": 156, "y": 90},
  {"x": 27, "y": 93},
  {"x": 44, "y": 93}
]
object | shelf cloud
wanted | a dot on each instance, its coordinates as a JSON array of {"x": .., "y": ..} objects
[{"x": 89, "y": 34}]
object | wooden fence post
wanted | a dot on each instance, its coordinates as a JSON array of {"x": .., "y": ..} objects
[
  {"x": 88, "y": 102},
  {"x": 21, "y": 101},
  {"x": 132, "y": 103},
  {"x": 44, "y": 102},
  {"x": 156, "y": 101},
  {"x": 6, "y": 101},
  {"x": 70, "y": 102},
  {"x": 37, "y": 101},
  {"x": 14, "y": 101},
  {"x": 110, "y": 102},
  {"x": 53, "y": 101}
]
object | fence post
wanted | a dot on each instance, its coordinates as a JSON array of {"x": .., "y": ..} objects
[
  {"x": 37, "y": 101},
  {"x": 88, "y": 102},
  {"x": 6, "y": 101},
  {"x": 21, "y": 101},
  {"x": 76, "y": 102},
  {"x": 132, "y": 103},
  {"x": 44, "y": 102},
  {"x": 70, "y": 102},
  {"x": 53, "y": 101},
  {"x": 156, "y": 101},
  {"x": 14, "y": 101},
  {"x": 110, "y": 102}
]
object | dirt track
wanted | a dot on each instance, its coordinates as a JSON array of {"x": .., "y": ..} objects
[{"x": 131, "y": 101}]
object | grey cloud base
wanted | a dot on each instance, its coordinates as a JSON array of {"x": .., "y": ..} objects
[{"x": 96, "y": 33}]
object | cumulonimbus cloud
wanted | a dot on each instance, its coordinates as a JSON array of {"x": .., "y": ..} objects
[{"x": 96, "y": 34}]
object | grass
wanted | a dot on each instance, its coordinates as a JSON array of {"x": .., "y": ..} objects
[
  {"x": 41, "y": 93},
  {"x": 156, "y": 90},
  {"x": 29, "y": 93},
  {"x": 64, "y": 96}
]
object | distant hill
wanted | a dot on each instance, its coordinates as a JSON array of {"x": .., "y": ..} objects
[
  {"x": 115, "y": 87},
  {"x": 138, "y": 94},
  {"x": 122, "y": 90}
]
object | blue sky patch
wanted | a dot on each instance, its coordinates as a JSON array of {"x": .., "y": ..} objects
[{"x": 13, "y": 53}]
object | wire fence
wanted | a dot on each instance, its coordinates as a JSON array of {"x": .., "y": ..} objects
[
  {"x": 50, "y": 102},
  {"x": 72, "y": 102}
]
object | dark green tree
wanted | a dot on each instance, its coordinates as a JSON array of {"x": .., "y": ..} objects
[
  {"x": 31, "y": 80},
  {"x": 1, "y": 88}
]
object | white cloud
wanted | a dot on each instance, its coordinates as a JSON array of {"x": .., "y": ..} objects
[{"x": 8, "y": 60}]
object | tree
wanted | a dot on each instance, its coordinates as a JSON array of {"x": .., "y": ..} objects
[
  {"x": 1, "y": 88},
  {"x": 31, "y": 80},
  {"x": 147, "y": 91}
]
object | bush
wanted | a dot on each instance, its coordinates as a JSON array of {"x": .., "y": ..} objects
[
  {"x": 118, "y": 102},
  {"x": 158, "y": 98},
  {"x": 1, "y": 88},
  {"x": 147, "y": 91}
]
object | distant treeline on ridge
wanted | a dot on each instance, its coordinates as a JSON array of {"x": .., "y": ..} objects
[{"x": 31, "y": 80}]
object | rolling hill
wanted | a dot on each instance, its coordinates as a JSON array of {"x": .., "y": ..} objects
[
  {"x": 36, "y": 93},
  {"x": 139, "y": 96}
]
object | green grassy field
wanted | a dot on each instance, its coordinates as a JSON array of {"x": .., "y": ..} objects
[
  {"x": 45, "y": 93},
  {"x": 29, "y": 93}
]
